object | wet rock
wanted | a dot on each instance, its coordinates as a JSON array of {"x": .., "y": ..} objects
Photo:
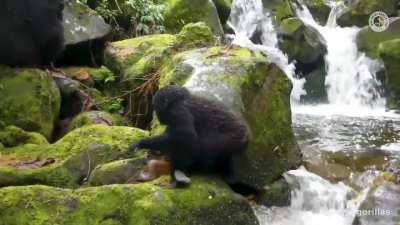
[
  {"x": 302, "y": 43},
  {"x": 224, "y": 9},
  {"x": 205, "y": 202},
  {"x": 276, "y": 194},
  {"x": 30, "y": 100},
  {"x": 315, "y": 85},
  {"x": 319, "y": 10},
  {"x": 281, "y": 9},
  {"x": 368, "y": 40},
  {"x": 381, "y": 206},
  {"x": 331, "y": 171},
  {"x": 359, "y": 11},
  {"x": 74, "y": 156},
  {"x": 251, "y": 86},
  {"x": 181, "y": 12},
  {"x": 389, "y": 52}
]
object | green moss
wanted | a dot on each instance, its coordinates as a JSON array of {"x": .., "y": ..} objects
[
  {"x": 75, "y": 156},
  {"x": 369, "y": 40},
  {"x": 29, "y": 99},
  {"x": 181, "y": 12},
  {"x": 12, "y": 136},
  {"x": 389, "y": 51},
  {"x": 195, "y": 35},
  {"x": 98, "y": 117},
  {"x": 281, "y": 9},
  {"x": 206, "y": 202},
  {"x": 360, "y": 11}
]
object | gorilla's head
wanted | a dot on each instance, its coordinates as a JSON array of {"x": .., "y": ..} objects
[{"x": 165, "y": 97}]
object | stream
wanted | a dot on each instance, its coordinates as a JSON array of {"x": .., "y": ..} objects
[{"x": 347, "y": 142}]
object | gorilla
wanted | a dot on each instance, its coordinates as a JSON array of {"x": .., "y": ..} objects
[
  {"x": 201, "y": 136},
  {"x": 31, "y": 32}
]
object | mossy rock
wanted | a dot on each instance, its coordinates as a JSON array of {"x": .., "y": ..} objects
[
  {"x": 181, "y": 12},
  {"x": 301, "y": 42},
  {"x": 359, "y": 11},
  {"x": 319, "y": 10},
  {"x": 12, "y": 136},
  {"x": 369, "y": 40},
  {"x": 117, "y": 172},
  {"x": 195, "y": 35},
  {"x": 315, "y": 86},
  {"x": 30, "y": 99},
  {"x": 281, "y": 9},
  {"x": 389, "y": 51},
  {"x": 98, "y": 117},
  {"x": 205, "y": 202},
  {"x": 252, "y": 87},
  {"x": 69, "y": 161}
]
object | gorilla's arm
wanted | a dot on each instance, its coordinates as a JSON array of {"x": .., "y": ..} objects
[{"x": 157, "y": 143}]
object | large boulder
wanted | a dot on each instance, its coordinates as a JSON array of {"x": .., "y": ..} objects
[
  {"x": 69, "y": 161},
  {"x": 224, "y": 9},
  {"x": 136, "y": 61},
  {"x": 30, "y": 99},
  {"x": 301, "y": 42},
  {"x": 252, "y": 87},
  {"x": 82, "y": 24},
  {"x": 369, "y": 40},
  {"x": 181, "y": 12},
  {"x": 389, "y": 51},
  {"x": 205, "y": 202},
  {"x": 359, "y": 11}
]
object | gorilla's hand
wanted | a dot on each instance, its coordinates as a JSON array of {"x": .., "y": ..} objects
[{"x": 135, "y": 146}]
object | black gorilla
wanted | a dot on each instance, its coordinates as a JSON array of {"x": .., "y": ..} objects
[
  {"x": 31, "y": 32},
  {"x": 201, "y": 135}
]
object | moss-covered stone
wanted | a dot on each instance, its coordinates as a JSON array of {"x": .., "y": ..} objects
[
  {"x": 29, "y": 99},
  {"x": 12, "y": 136},
  {"x": 389, "y": 51},
  {"x": 359, "y": 11},
  {"x": 315, "y": 86},
  {"x": 252, "y": 87},
  {"x": 195, "y": 35},
  {"x": 117, "y": 172},
  {"x": 71, "y": 159},
  {"x": 205, "y": 202},
  {"x": 98, "y": 117},
  {"x": 99, "y": 77},
  {"x": 369, "y": 40},
  {"x": 301, "y": 42},
  {"x": 181, "y": 12},
  {"x": 319, "y": 10},
  {"x": 280, "y": 9}
]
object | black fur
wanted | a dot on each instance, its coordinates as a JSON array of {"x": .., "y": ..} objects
[
  {"x": 201, "y": 135},
  {"x": 31, "y": 32}
]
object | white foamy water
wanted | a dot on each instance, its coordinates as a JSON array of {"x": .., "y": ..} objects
[
  {"x": 351, "y": 82},
  {"x": 314, "y": 201},
  {"x": 248, "y": 17}
]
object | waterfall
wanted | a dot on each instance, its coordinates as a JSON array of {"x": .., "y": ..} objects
[
  {"x": 351, "y": 76},
  {"x": 248, "y": 17}
]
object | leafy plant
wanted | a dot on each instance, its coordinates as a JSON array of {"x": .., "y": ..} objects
[
  {"x": 114, "y": 105},
  {"x": 147, "y": 17}
]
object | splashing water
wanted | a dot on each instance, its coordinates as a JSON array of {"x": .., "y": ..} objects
[
  {"x": 248, "y": 17},
  {"x": 351, "y": 82},
  {"x": 314, "y": 201}
]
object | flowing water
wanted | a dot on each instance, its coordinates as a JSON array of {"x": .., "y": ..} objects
[{"x": 354, "y": 128}]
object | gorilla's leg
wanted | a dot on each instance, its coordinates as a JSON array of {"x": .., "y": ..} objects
[{"x": 225, "y": 167}]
